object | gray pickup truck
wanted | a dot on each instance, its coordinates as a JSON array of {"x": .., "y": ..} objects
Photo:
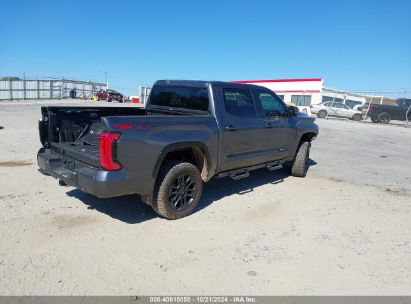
[{"x": 189, "y": 132}]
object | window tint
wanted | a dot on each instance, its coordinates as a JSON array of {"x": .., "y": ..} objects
[
  {"x": 239, "y": 102},
  {"x": 193, "y": 98},
  {"x": 301, "y": 100},
  {"x": 272, "y": 105},
  {"x": 281, "y": 97}
]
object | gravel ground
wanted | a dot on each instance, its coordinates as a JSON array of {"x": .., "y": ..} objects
[{"x": 343, "y": 230}]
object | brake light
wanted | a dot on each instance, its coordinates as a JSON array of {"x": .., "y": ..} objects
[{"x": 106, "y": 142}]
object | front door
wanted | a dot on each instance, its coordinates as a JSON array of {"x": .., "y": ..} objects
[
  {"x": 280, "y": 133},
  {"x": 243, "y": 130}
]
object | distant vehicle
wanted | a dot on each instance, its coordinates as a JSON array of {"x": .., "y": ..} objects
[
  {"x": 109, "y": 95},
  {"x": 189, "y": 132},
  {"x": 336, "y": 109},
  {"x": 381, "y": 113},
  {"x": 358, "y": 107}
]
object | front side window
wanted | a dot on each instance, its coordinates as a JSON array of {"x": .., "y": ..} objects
[
  {"x": 272, "y": 105},
  {"x": 192, "y": 98},
  {"x": 239, "y": 102}
]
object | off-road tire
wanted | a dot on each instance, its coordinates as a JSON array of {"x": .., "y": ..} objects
[
  {"x": 168, "y": 175},
  {"x": 357, "y": 117},
  {"x": 322, "y": 114},
  {"x": 384, "y": 118},
  {"x": 300, "y": 165}
]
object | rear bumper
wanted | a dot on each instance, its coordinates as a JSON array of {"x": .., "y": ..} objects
[{"x": 92, "y": 180}]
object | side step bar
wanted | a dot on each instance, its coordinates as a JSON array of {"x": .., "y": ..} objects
[
  {"x": 238, "y": 176},
  {"x": 275, "y": 167},
  {"x": 244, "y": 172}
]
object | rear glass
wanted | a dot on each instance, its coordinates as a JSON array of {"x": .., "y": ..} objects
[{"x": 193, "y": 98}]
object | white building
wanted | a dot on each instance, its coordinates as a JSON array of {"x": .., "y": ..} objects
[{"x": 304, "y": 92}]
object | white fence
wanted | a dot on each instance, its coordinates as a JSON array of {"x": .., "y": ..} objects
[{"x": 47, "y": 89}]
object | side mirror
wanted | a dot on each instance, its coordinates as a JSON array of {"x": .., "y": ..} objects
[{"x": 292, "y": 111}]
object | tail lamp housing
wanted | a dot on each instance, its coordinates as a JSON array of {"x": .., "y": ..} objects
[{"x": 107, "y": 142}]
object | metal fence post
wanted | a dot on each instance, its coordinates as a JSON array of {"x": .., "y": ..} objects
[
  {"x": 24, "y": 89},
  {"x": 11, "y": 90},
  {"x": 38, "y": 89},
  {"x": 368, "y": 108}
]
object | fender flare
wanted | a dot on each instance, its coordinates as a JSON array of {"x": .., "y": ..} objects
[{"x": 181, "y": 146}]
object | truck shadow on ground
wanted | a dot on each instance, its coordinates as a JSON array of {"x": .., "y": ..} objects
[{"x": 131, "y": 210}]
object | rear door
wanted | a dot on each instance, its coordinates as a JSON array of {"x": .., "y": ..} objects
[
  {"x": 332, "y": 109},
  {"x": 341, "y": 110},
  {"x": 280, "y": 133},
  {"x": 243, "y": 129}
]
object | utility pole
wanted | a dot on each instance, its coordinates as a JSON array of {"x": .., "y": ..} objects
[{"x": 105, "y": 74}]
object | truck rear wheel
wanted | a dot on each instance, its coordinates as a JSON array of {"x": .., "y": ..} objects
[
  {"x": 300, "y": 165},
  {"x": 178, "y": 190}
]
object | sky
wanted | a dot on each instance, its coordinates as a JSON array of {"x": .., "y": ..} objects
[{"x": 354, "y": 45}]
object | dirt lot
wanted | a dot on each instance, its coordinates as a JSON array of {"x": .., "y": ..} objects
[{"x": 345, "y": 229}]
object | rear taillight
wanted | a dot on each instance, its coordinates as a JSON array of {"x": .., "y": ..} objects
[{"x": 107, "y": 141}]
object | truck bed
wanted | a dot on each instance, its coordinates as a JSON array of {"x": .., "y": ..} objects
[
  {"x": 74, "y": 131},
  {"x": 87, "y": 153}
]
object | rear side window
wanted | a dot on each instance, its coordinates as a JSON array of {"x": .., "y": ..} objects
[
  {"x": 239, "y": 102},
  {"x": 192, "y": 98}
]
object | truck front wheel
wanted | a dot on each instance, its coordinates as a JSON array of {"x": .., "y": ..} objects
[
  {"x": 300, "y": 165},
  {"x": 384, "y": 118},
  {"x": 179, "y": 187}
]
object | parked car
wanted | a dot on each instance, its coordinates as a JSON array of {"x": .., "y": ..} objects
[
  {"x": 189, "y": 132},
  {"x": 359, "y": 107},
  {"x": 381, "y": 113},
  {"x": 109, "y": 95},
  {"x": 336, "y": 109}
]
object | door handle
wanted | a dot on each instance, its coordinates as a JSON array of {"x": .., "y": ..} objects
[{"x": 231, "y": 128}]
